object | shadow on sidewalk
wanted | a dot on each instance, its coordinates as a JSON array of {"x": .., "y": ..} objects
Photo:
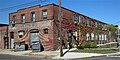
[{"x": 66, "y": 52}]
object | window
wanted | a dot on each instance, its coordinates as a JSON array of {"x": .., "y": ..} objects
[
  {"x": 102, "y": 25},
  {"x": 105, "y": 27},
  {"x": 87, "y": 22},
  {"x": 45, "y": 31},
  {"x": 21, "y": 34},
  {"x": 105, "y": 37},
  {"x": 96, "y": 37},
  {"x": 12, "y": 35},
  {"x": 14, "y": 20},
  {"x": 87, "y": 36},
  {"x": 96, "y": 24},
  {"x": 92, "y": 23},
  {"x": 82, "y": 20},
  {"x": 44, "y": 14},
  {"x": 23, "y": 18},
  {"x": 102, "y": 37},
  {"x": 13, "y": 25},
  {"x": 99, "y": 37},
  {"x": 75, "y": 19},
  {"x": 32, "y": 16},
  {"x": 92, "y": 36}
]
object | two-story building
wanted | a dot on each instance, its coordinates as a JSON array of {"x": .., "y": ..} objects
[{"x": 40, "y": 23}]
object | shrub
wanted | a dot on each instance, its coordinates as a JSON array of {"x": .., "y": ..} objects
[
  {"x": 91, "y": 46},
  {"x": 87, "y": 46},
  {"x": 80, "y": 47}
]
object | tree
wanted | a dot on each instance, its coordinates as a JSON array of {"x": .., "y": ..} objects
[{"x": 112, "y": 31}]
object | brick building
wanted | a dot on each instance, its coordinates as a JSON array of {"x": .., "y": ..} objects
[
  {"x": 4, "y": 43},
  {"x": 40, "y": 23}
]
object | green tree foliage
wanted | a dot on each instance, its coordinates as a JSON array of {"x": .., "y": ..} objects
[{"x": 112, "y": 29}]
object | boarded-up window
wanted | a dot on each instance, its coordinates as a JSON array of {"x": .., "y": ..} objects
[
  {"x": 45, "y": 31},
  {"x": 21, "y": 34}
]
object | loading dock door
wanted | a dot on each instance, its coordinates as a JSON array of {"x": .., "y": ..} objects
[
  {"x": 34, "y": 40},
  {"x": 34, "y": 36}
]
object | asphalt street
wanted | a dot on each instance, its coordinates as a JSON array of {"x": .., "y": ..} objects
[{"x": 13, "y": 57}]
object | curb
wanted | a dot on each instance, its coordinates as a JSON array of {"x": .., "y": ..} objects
[{"x": 78, "y": 57}]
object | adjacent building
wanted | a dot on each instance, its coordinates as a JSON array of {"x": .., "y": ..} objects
[{"x": 4, "y": 42}]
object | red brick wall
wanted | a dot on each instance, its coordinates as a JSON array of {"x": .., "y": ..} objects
[
  {"x": 67, "y": 20},
  {"x": 39, "y": 24},
  {"x": 3, "y": 30}
]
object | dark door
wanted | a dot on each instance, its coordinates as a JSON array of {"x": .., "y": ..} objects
[{"x": 6, "y": 42}]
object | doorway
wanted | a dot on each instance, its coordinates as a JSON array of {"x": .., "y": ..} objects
[
  {"x": 6, "y": 43},
  {"x": 35, "y": 42},
  {"x": 11, "y": 40}
]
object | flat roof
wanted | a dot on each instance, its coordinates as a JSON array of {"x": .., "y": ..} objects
[{"x": 4, "y": 25}]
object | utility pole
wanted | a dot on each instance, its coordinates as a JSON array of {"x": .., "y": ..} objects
[{"x": 60, "y": 33}]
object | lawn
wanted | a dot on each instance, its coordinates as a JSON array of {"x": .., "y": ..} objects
[
  {"x": 109, "y": 45},
  {"x": 101, "y": 51}
]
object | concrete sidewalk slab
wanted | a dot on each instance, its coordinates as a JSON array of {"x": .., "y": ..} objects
[
  {"x": 73, "y": 55},
  {"x": 45, "y": 53},
  {"x": 10, "y": 52},
  {"x": 50, "y": 53}
]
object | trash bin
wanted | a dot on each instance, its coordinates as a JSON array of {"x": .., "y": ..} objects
[{"x": 36, "y": 46}]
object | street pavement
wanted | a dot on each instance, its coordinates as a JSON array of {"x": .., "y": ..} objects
[{"x": 14, "y": 57}]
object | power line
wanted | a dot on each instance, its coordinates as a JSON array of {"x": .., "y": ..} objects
[
  {"x": 18, "y": 5},
  {"x": 22, "y": 5},
  {"x": 116, "y": 22}
]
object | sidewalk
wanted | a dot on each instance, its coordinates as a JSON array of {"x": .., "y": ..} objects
[
  {"x": 11, "y": 52},
  {"x": 74, "y": 55},
  {"x": 114, "y": 54},
  {"x": 106, "y": 44},
  {"x": 54, "y": 54}
]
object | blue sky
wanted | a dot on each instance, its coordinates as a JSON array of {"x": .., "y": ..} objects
[{"x": 107, "y": 11}]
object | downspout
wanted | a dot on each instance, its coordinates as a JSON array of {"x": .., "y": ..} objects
[{"x": 7, "y": 38}]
